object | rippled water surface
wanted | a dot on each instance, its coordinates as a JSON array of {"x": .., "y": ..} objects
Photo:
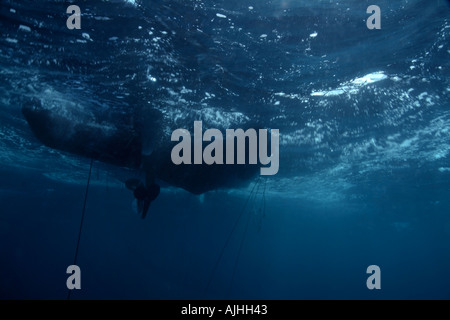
[{"x": 364, "y": 121}]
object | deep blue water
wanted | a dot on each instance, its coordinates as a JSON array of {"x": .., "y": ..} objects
[{"x": 364, "y": 120}]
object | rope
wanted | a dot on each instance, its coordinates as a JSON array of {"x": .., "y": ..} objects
[
  {"x": 229, "y": 237},
  {"x": 264, "y": 199},
  {"x": 261, "y": 212},
  {"x": 82, "y": 218},
  {"x": 241, "y": 244}
]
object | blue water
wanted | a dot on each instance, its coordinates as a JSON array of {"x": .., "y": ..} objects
[{"x": 364, "y": 120}]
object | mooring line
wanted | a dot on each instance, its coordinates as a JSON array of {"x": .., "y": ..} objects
[
  {"x": 255, "y": 195},
  {"x": 82, "y": 218},
  {"x": 229, "y": 237}
]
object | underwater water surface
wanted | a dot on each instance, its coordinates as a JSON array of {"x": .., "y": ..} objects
[{"x": 364, "y": 131}]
